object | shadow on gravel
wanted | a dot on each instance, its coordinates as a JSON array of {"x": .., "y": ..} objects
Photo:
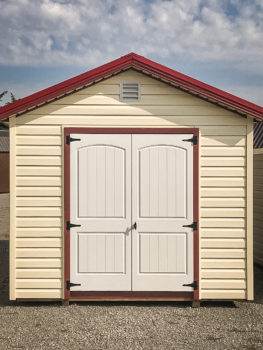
[
  {"x": 4, "y": 291},
  {"x": 175, "y": 304}
]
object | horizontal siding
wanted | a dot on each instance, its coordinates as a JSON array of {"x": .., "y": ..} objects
[
  {"x": 222, "y": 263},
  {"x": 37, "y": 283},
  {"x": 40, "y": 167},
  {"x": 223, "y": 274},
  {"x": 118, "y": 120},
  {"x": 39, "y": 211},
  {"x": 39, "y": 150},
  {"x": 222, "y": 202},
  {"x": 223, "y": 141},
  {"x": 127, "y": 110},
  {"x": 27, "y": 130},
  {"x": 223, "y": 212},
  {"x": 39, "y": 293},
  {"x": 219, "y": 192},
  {"x": 36, "y": 161},
  {"x": 258, "y": 207},
  {"x": 223, "y": 284},
  {"x": 39, "y": 242},
  {"x": 224, "y": 294},
  {"x": 223, "y": 151},
  {"x": 39, "y": 232},
  {"x": 39, "y": 171},
  {"x": 42, "y": 263},
  {"x": 223, "y": 253},
  {"x": 222, "y": 222},
  {"x": 39, "y": 181},
  {"x": 146, "y": 100},
  {"x": 223, "y": 233},
  {"x": 222, "y": 182},
  {"x": 38, "y": 252},
  {"x": 222, "y": 161},
  {"x": 39, "y": 273},
  {"x": 39, "y": 140},
  {"x": 222, "y": 130},
  {"x": 39, "y": 201},
  {"x": 223, "y": 243},
  {"x": 38, "y": 222},
  {"x": 38, "y": 191},
  {"x": 215, "y": 171}
]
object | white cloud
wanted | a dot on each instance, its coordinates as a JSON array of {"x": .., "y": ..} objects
[{"x": 88, "y": 32}]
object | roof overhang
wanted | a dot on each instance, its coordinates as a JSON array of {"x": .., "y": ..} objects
[{"x": 144, "y": 65}]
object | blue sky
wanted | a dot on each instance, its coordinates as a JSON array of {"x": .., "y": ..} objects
[{"x": 219, "y": 42}]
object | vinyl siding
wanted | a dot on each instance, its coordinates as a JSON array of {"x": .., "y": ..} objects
[
  {"x": 38, "y": 181},
  {"x": 258, "y": 205}
]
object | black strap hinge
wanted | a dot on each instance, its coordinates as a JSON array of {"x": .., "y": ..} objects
[
  {"x": 69, "y": 225},
  {"x": 193, "y": 226},
  {"x": 70, "y": 284},
  {"x": 193, "y": 284},
  {"x": 193, "y": 140},
  {"x": 70, "y": 139}
]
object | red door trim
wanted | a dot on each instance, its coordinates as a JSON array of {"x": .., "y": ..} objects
[{"x": 129, "y": 295}]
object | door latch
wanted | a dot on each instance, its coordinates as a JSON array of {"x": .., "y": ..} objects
[{"x": 134, "y": 226}]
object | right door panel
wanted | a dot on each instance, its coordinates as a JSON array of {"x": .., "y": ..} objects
[{"x": 162, "y": 202}]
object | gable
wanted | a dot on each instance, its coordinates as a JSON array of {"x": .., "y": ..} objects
[
  {"x": 144, "y": 65},
  {"x": 103, "y": 99}
]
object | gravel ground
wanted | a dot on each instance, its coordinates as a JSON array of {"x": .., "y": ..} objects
[{"x": 215, "y": 325}]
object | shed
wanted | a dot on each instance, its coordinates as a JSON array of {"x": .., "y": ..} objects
[
  {"x": 131, "y": 182},
  {"x": 258, "y": 193},
  {"x": 4, "y": 161}
]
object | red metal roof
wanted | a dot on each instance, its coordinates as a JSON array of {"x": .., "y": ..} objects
[{"x": 135, "y": 61}]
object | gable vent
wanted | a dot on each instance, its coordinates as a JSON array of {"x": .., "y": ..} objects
[{"x": 130, "y": 92}]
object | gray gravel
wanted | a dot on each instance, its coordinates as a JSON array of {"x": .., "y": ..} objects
[{"x": 215, "y": 325}]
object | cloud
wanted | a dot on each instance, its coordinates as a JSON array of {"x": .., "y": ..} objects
[{"x": 91, "y": 32}]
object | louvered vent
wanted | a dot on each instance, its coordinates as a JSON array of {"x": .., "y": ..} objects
[{"x": 130, "y": 92}]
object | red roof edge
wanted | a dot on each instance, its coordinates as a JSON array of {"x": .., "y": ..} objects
[{"x": 128, "y": 61}]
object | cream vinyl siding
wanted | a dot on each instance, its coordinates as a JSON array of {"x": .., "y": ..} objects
[
  {"x": 258, "y": 205},
  {"x": 38, "y": 181}
]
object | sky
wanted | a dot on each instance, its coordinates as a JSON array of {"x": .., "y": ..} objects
[{"x": 44, "y": 42}]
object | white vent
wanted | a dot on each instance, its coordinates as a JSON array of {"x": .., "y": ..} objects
[{"x": 130, "y": 92}]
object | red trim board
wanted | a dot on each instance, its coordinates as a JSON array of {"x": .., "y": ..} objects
[
  {"x": 129, "y": 295},
  {"x": 140, "y": 63}
]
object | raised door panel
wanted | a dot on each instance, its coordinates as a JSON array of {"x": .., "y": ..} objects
[
  {"x": 101, "y": 187},
  {"x": 162, "y": 180}
]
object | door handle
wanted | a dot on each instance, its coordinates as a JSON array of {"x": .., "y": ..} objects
[{"x": 134, "y": 226}]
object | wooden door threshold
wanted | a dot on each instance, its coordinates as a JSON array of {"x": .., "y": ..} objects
[{"x": 131, "y": 296}]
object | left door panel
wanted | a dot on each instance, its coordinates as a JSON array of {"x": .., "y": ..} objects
[{"x": 100, "y": 202}]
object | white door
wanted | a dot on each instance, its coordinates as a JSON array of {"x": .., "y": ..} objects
[
  {"x": 162, "y": 202},
  {"x": 100, "y": 201},
  {"x": 116, "y": 181}
]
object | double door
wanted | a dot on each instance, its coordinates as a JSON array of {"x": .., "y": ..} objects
[{"x": 131, "y": 195}]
